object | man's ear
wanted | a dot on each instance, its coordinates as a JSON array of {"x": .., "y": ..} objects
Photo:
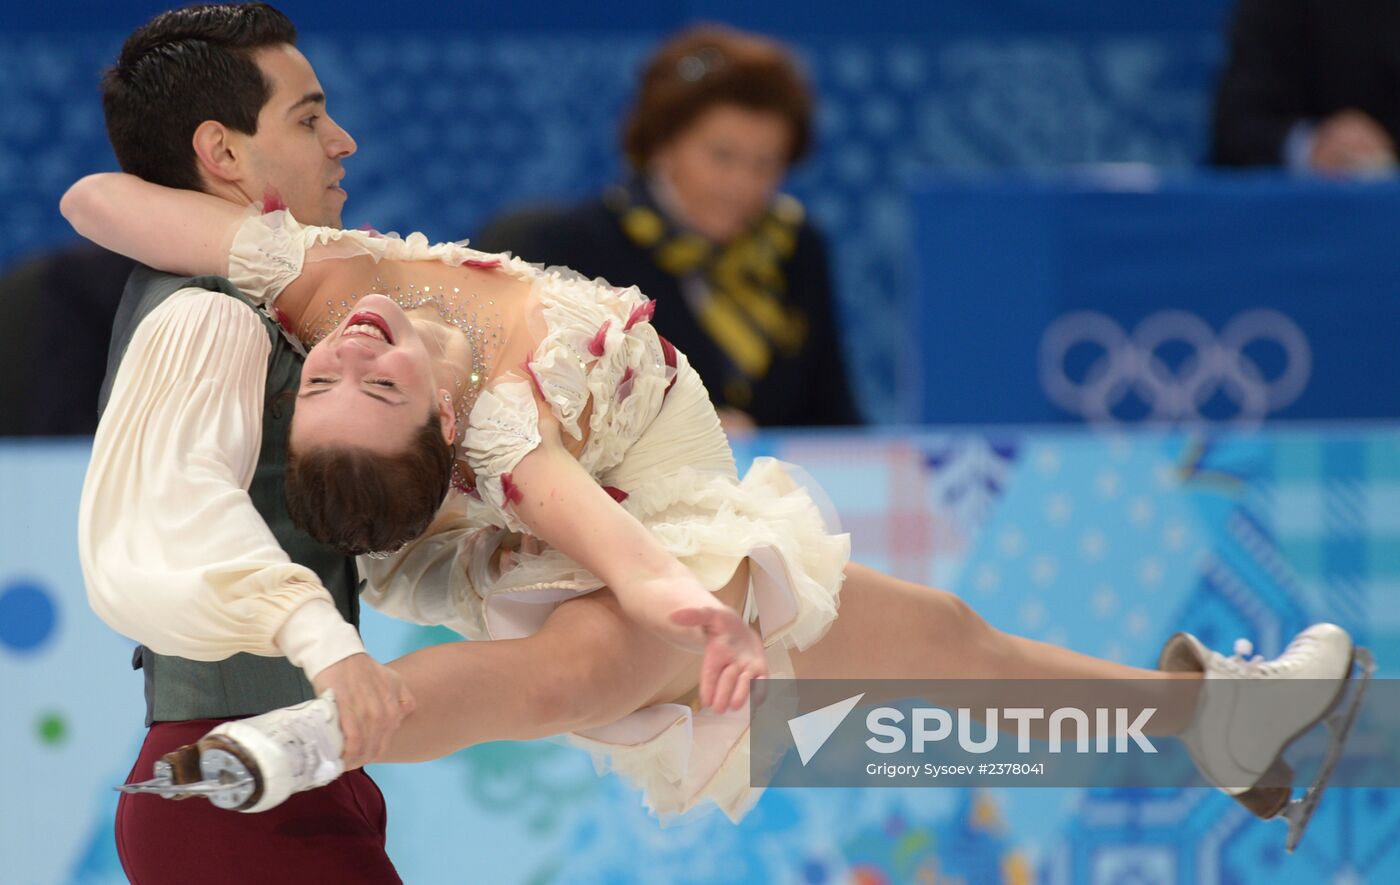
[{"x": 216, "y": 154}]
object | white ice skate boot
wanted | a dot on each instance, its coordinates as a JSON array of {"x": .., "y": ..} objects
[
  {"x": 255, "y": 764},
  {"x": 1251, "y": 709}
]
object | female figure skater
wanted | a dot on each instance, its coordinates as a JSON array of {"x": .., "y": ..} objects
[{"x": 591, "y": 488}]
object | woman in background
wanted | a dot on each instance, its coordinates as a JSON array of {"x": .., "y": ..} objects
[{"x": 739, "y": 273}]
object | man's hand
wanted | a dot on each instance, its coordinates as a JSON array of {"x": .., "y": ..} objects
[
  {"x": 372, "y": 701},
  {"x": 1351, "y": 141}
]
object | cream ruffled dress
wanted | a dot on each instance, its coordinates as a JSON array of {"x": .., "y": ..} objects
[{"x": 655, "y": 442}]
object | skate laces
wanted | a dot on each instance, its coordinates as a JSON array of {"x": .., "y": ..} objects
[
  {"x": 1242, "y": 664},
  {"x": 308, "y": 740}
]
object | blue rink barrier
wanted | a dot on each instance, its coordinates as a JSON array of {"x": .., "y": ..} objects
[
  {"x": 1125, "y": 295},
  {"x": 1104, "y": 543}
]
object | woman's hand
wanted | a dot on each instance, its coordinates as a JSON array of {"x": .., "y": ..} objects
[
  {"x": 733, "y": 654},
  {"x": 680, "y": 611},
  {"x": 565, "y": 509}
]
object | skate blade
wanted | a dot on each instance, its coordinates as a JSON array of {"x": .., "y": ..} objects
[
  {"x": 207, "y": 788},
  {"x": 224, "y": 781},
  {"x": 1299, "y": 812}
]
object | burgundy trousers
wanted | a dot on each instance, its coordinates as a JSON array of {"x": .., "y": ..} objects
[{"x": 331, "y": 834}]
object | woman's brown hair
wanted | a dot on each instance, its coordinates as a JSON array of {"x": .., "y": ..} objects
[
  {"x": 710, "y": 65},
  {"x": 359, "y": 501}
]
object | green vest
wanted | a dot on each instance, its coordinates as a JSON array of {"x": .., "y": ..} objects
[{"x": 245, "y": 684}]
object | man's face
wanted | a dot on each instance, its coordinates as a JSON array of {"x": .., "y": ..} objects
[{"x": 298, "y": 149}]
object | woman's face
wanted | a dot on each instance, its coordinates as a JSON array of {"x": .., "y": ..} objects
[
  {"x": 369, "y": 383},
  {"x": 725, "y": 168}
]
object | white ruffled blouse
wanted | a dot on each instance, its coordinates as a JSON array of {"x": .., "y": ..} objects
[{"x": 173, "y": 552}]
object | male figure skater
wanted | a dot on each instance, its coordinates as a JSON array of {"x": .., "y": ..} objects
[{"x": 194, "y": 556}]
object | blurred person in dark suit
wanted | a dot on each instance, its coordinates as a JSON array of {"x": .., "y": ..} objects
[
  {"x": 1311, "y": 85},
  {"x": 740, "y": 275},
  {"x": 86, "y": 282}
]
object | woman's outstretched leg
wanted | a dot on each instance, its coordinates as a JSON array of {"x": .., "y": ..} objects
[
  {"x": 587, "y": 666},
  {"x": 893, "y": 629}
]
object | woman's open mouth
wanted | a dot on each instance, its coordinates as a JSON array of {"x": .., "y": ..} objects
[{"x": 368, "y": 324}]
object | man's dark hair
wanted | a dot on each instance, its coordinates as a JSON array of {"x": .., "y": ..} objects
[
  {"x": 179, "y": 69},
  {"x": 359, "y": 501}
]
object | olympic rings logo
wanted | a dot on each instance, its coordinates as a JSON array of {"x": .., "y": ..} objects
[{"x": 1134, "y": 364}]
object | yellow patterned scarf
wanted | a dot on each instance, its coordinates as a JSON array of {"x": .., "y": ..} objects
[{"x": 742, "y": 307}]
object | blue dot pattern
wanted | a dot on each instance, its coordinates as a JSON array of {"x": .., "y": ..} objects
[{"x": 28, "y": 616}]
